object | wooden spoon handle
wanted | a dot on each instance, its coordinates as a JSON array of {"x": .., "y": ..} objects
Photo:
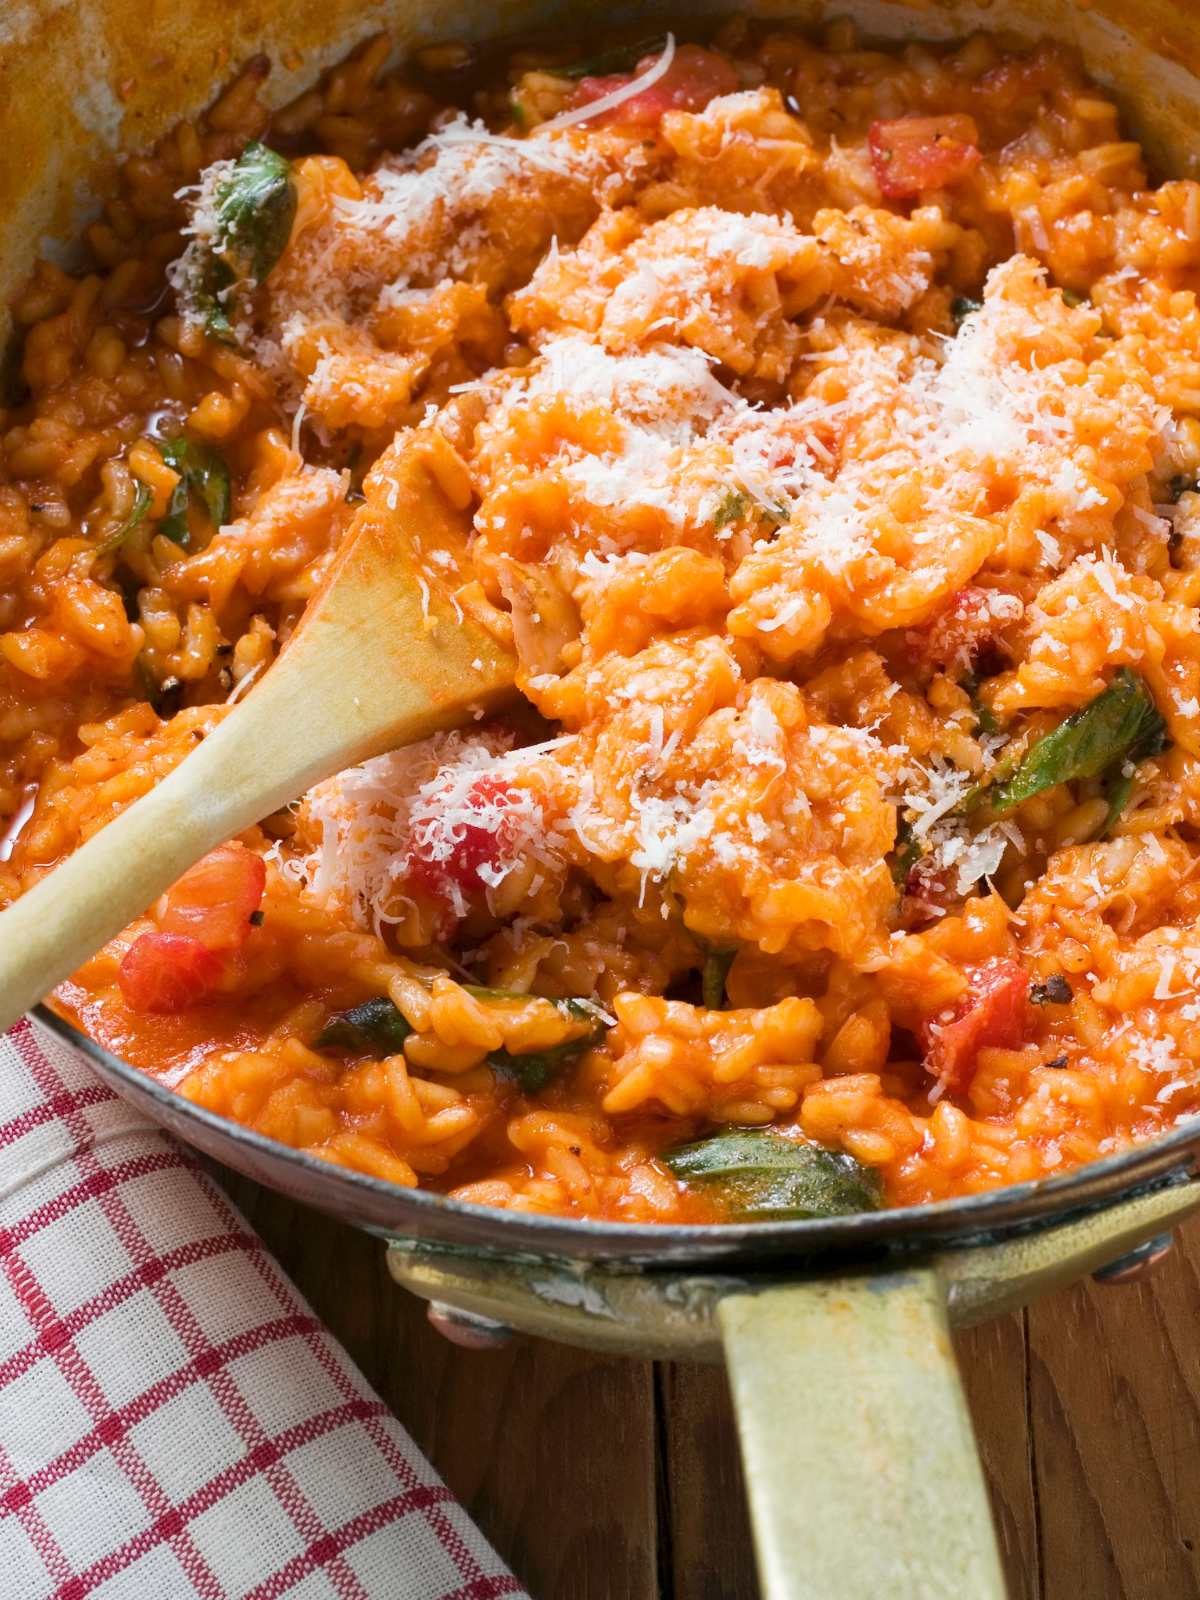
[
  {"x": 312, "y": 715},
  {"x": 265, "y": 753}
]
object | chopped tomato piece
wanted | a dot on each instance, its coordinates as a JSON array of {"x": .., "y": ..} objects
[
  {"x": 694, "y": 77},
  {"x": 994, "y": 1014},
  {"x": 455, "y": 852},
  {"x": 215, "y": 899},
  {"x": 966, "y": 632},
  {"x": 913, "y": 154},
  {"x": 168, "y": 972},
  {"x": 926, "y": 895}
]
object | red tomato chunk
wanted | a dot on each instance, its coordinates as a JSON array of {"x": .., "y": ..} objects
[
  {"x": 168, "y": 972},
  {"x": 964, "y": 631},
  {"x": 913, "y": 154},
  {"x": 926, "y": 895},
  {"x": 459, "y": 853},
  {"x": 994, "y": 1014},
  {"x": 694, "y": 77},
  {"x": 214, "y": 900}
]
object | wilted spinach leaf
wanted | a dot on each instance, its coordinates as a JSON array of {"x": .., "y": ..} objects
[
  {"x": 202, "y": 472},
  {"x": 759, "y": 1175},
  {"x": 375, "y": 1027},
  {"x": 1121, "y": 724},
  {"x": 143, "y": 499},
  {"x": 906, "y": 852},
  {"x": 712, "y": 978},
  {"x": 533, "y": 1069},
  {"x": 256, "y": 205},
  {"x": 732, "y": 506}
]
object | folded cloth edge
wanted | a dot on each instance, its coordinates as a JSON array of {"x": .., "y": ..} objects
[{"x": 174, "y": 1421}]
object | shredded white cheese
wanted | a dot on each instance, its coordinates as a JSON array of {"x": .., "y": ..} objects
[{"x": 618, "y": 97}]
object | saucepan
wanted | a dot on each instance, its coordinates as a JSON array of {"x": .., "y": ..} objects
[{"x": 836, "y": 1332}]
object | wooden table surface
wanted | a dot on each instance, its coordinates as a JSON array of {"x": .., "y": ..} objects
[{"x": 600, "y": 1479}]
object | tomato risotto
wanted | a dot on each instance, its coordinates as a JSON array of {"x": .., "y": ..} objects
[{"x": 820, "y": 426}]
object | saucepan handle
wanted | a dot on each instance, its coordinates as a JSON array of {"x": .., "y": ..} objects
[{"x": 861, "y": 1466}]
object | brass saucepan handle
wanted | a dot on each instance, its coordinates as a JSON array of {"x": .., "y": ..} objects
[{"x": 861, "y": 1466}]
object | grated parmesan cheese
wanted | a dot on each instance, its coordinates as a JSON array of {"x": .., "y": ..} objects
[{"x": 368, "y": 821}]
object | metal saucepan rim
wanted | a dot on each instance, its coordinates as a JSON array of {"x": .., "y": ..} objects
[{"x": 423, "y": 1213}]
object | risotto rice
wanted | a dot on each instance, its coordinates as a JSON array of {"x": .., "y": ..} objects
[{"x": 820, "y": 425}]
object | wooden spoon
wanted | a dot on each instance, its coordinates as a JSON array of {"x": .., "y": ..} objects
[{"x": 382, "y": 657}]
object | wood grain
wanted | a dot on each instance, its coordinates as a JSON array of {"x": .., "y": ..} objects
[
  {"x": 607, "y": 1480},
  {"x": 995, "y": 1375},
  {"x": 706, "y": 1527},
  {"x": 1115, "y": 1385}
]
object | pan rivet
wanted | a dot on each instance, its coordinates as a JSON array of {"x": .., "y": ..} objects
[
  {"x": 467, "y": 1328},
  {"x": 1136, "y": 1263}
]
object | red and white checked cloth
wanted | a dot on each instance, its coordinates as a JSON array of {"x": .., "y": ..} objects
[{"x": 174, "y": 1422}]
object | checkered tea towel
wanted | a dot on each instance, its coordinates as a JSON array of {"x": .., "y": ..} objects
[{"x": 174, "y": 1422}]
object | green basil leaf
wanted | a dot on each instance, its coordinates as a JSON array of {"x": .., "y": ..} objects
[
  {"x": 962, "y": 307},
  {"x": 985, "y": 717},
  {"x": 733, "y": 505},
  {"x": 210, "y": 476},
  {"x": 143, "y": 499},
  {"x": 759, "y": 1175},
  {"x": 511, "y": 997},
  {"x": 203, "y": 472},
  {"x": 534, "y": 1069},
  {"x": 1117, "y": 792},
  {"x": 905, "y": 853},
  {"x": 256, "y": 205},
  {"x": 376, "y": 1027},
  {"x": 1121, "y": 724},
  {"x": 175, "y": 524},
  {"x": 210, "y": 292},
  {"x": 712, "y": 978}
]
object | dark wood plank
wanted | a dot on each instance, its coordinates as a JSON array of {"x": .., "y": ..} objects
[
  {"x": 705, "y": 1524},
  {"x": 1115, "y": 1391},
  {"x": 992, "y": 1358},
  {"x": 551, "y": 1450}
]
